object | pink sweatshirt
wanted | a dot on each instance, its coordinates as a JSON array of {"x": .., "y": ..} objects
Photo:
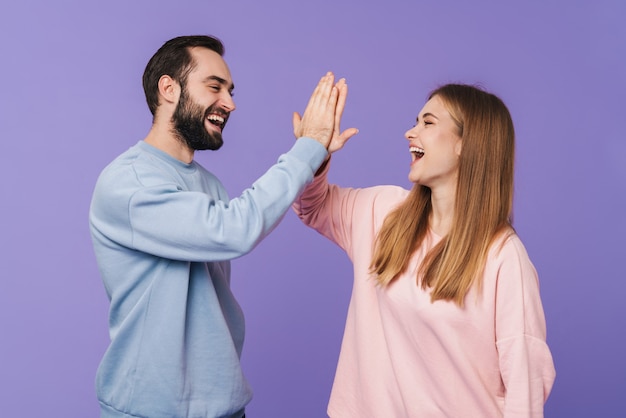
[{"x": 403, "y": 356}]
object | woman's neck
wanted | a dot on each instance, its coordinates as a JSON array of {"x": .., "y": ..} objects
[{"x": 442, "y": 215}]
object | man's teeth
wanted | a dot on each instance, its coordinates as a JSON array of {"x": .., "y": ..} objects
[
  {"x": 216, "y": 118},
  {"x": 417, "y": 151}
]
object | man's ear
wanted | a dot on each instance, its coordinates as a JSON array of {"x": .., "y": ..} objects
[{"x": 169, "y": 89}]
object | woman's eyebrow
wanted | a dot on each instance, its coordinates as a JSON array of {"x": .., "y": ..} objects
[{"x": 426, "y": 115}]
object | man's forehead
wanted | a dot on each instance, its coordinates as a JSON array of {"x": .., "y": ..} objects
[{"x": 210, "y": 63}]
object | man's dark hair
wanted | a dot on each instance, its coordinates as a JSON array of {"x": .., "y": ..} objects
[{"x": 175, "y": 60}]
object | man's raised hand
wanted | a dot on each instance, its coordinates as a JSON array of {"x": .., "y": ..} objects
[{"x": 322, "y": 116}]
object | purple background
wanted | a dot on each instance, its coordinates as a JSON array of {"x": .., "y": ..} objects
[{"x": 71, "y": 100}]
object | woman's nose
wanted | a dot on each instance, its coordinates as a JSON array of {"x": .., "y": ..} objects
[{"x": 410, "y": 134}]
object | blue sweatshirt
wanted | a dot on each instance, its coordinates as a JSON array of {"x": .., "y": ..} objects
[{"x": 163, "y": 233}]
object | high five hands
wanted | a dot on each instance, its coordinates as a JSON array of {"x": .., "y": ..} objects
[{"x": 322, "y": 116}]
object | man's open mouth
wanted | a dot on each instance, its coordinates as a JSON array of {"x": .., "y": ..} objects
[{"x": 217, "y": 120}]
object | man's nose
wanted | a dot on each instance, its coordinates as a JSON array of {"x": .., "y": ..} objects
[{"x": 227, "y": 103}]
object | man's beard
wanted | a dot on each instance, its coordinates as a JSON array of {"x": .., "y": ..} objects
[{"x": 189, "y": 119}]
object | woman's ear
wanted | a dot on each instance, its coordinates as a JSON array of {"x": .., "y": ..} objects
[{"x": 458, "y": 147}]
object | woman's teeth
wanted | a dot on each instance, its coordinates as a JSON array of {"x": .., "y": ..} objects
[{"x": 419, "y": 152}]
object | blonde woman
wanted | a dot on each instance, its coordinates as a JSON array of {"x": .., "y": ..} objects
[{"x": 445, "y": 318}]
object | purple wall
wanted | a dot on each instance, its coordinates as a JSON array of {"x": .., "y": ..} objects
[{"x": 71, "y": 100}]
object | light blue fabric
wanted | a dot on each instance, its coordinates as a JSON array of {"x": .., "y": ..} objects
[{"x": 163, "y": 234}]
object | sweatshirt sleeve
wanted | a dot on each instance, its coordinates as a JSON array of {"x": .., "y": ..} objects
[
  {"x": 328, "y": 209},
  {"x": 345, "y": 215},
  {"x": 163, "y": 220},
  {"x": 526, "y": 364}
]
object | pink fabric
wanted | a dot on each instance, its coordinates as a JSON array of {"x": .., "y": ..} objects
[{"x": 403, "y": 356}]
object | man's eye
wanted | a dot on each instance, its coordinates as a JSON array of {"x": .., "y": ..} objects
[{"x": 215, "y": 88}]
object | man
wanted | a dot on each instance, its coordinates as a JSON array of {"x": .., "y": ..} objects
[{"x": 164, "y": 230}]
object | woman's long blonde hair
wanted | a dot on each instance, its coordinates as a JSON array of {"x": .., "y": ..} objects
[{"x": 483, "y": 206}]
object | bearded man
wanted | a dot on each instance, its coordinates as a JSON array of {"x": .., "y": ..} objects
[{"x": 164, "y": 231}]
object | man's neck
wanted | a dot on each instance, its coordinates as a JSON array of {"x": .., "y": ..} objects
[{"x": 162, "y": 138}]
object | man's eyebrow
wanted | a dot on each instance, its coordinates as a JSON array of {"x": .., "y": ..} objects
[{"x": 220, "y": 80}]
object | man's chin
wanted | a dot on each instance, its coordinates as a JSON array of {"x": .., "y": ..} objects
[{"x": 212, "y": 144}]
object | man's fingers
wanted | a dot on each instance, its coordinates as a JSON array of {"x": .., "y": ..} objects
[
  {"x": 295, "y": 120},
  {"x": 321, "y": 95}
]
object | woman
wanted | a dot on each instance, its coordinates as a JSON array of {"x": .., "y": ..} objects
[{"x": 445, "y": 318}]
